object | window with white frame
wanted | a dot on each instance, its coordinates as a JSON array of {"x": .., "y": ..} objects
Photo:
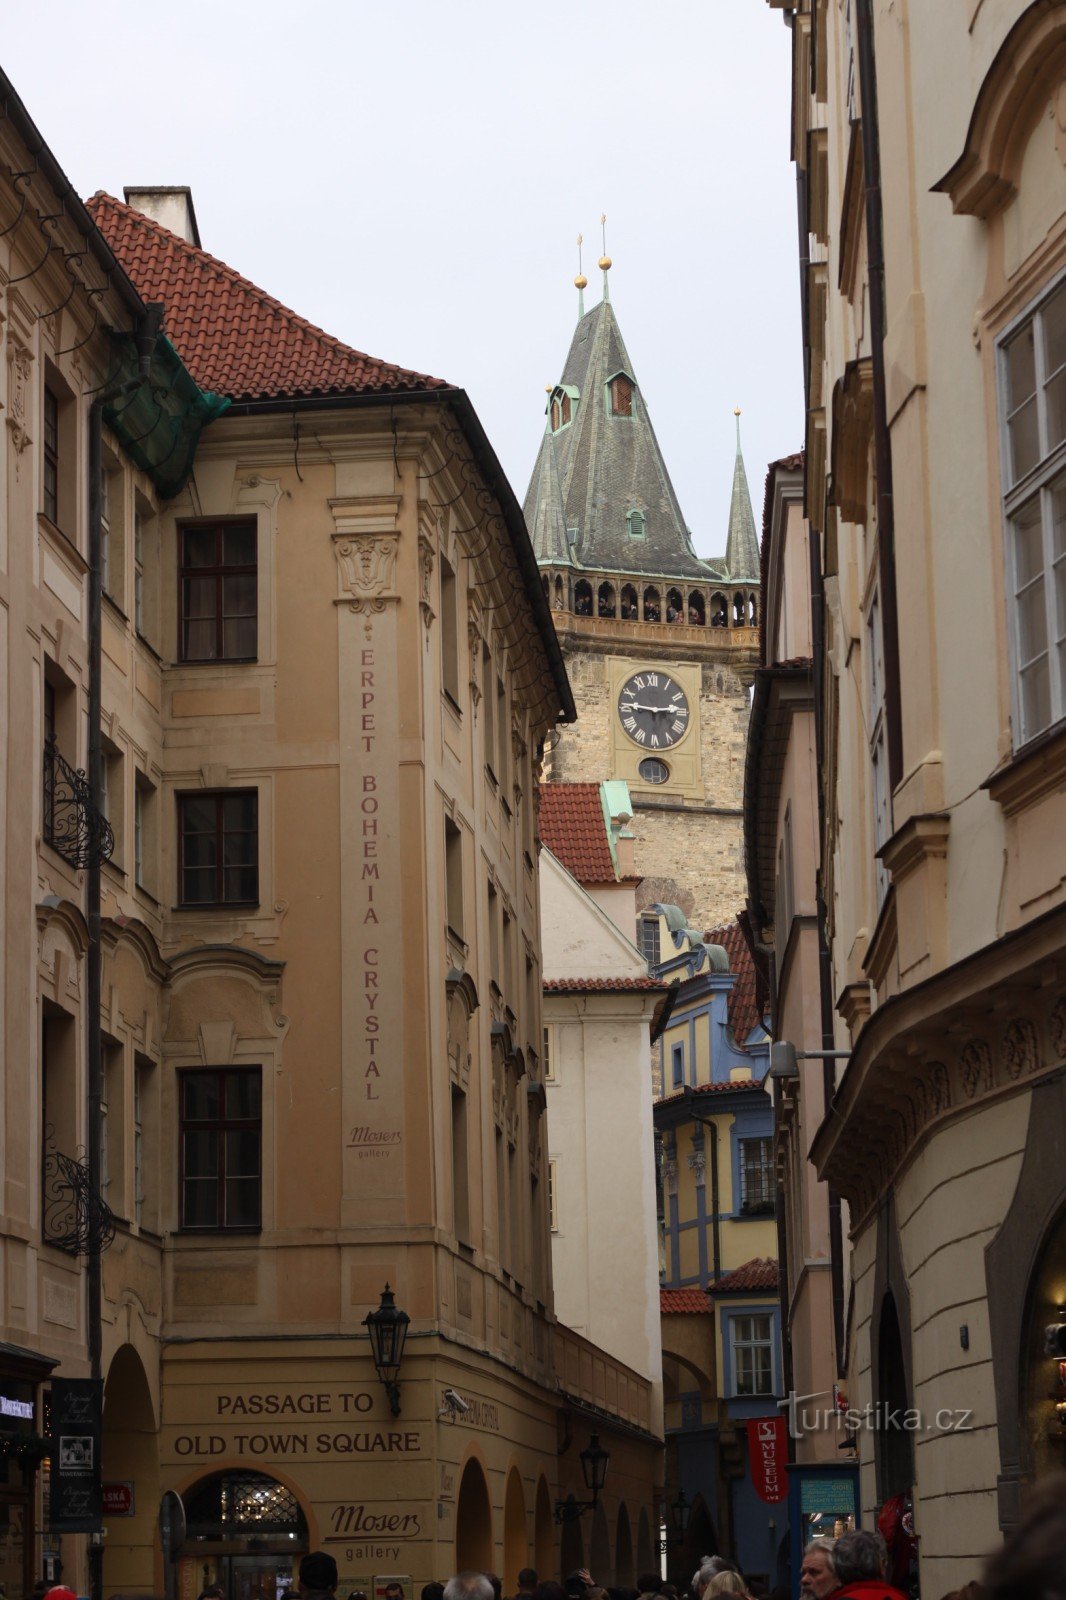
[
  {"x": 1033, "y": 403},
  {"x": 553, "y": 1197},
  {"x": 875, "y": 722},
  {"x": 751, "y": 1338},
  {"x": 756, "y": 1162},
  {"x": 549, "y": 1053},
  {"x": 648, "y": 939},
  {"x": 677, "y": 1065}
]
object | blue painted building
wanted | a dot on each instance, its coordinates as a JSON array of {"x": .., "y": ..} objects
[{"x": 719, "y": 1297}]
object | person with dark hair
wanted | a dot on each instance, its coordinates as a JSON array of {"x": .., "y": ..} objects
[
  {"x": 1032, "y": 1562},
  {"x": 648, "y": 1583},
  {"x": 430, "y": 1591},
  {"x": 497, "y": 1586},
  {"x": 318, "y": 1575},
  {"x": 547, "y": 1590},
  {"x": 527, "y": 1581}
]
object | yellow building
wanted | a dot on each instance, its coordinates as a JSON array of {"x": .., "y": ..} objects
[
  {"x": 328, "y": 669},
  {"x": 932, "y": 188},
  {"x": 719, "y": 1302}
]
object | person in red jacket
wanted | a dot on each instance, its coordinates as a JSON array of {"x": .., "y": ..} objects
[{"x": 859, "y": 1559}]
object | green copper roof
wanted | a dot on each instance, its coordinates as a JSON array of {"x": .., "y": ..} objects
[
  {"x": 742, "y": 544},
  {"x": 602, "y": 466}
]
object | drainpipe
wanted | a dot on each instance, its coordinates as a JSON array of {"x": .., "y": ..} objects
[
  {"x": 146, "y": 336},
  {"x": 875, "y": 252},
  {"x": 716, "y": 1226}
]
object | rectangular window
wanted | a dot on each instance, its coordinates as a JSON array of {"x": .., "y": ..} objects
[
  {"x": 1033, "y": 396},
  {"x": 549, "y": 1054},
  {"x": 648, "y": 939},
  {"x": 51, "y": 456},
  {"x": 221, "y": 1139},
  {"x": 105, "y": 531},
  {"x": 677, "y": 1065},
  {"x": 753, "y": 1360},
  {"x": 144, "y": 833},
  {"x": 139, "y": 591},
  {"x": 449, "y": 632},
  {"x": 494, "y": 936},
  {"x": 880, "y": 798},
  {"x": 453, "y": 873},
  {"x": 756, "y": 1176},
  {"x": 460, "y": 1169},
  {"x": 218, "y": 591},
  {"x": 503, "y": 740},
  {"x": 489, "y": 719},
  {"x": 113, "y": 1126},
  {"x": 143, "y": 1213},
  {"x": 114, "y": 796},
  {"x": 218, "y": 840},
  {"x": 553, "y": 1197}
]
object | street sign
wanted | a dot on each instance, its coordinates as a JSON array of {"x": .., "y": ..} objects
[{"x": 118, "y": 1499}]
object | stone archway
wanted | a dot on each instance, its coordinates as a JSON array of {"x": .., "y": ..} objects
[
  {"x": 473, "y": 1521},
  {"x": 130, "y": 1454},
  {"x": 543, "y": 1532},
  {"x": 646, "y": 1558},
  {"x": 515, "y": 1533},
  {"x": 623, "y": 1550},
  {"x": 571, "y": 1547},
  {"x": 245, "y": 1531},
  {"x": 600, "y": 1547}
]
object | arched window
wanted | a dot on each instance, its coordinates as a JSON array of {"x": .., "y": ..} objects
[
  {"x": 630, "y": 609},
  {"x": 546, "y": 585},
  {"x": 560, "y": 600},
  {"x": 652, "y": 607},
  {"x": 555, "y": 416},
  {"x": 564, "y": 410},
  {"x": 675, "y": 605},
  {"x": 605, "y": 600},
  {"x": 620, "y": 389},
  {"x": 697, "y": 609},
  {"x": 719, "y": 611},
  {"x": 245, "y": 1510},
  {"x": 636, "y": 524},
  {"x": 753, "y": 614},
  {"x": 740, "y": 611},
  {"x": 583, "y": 598}
]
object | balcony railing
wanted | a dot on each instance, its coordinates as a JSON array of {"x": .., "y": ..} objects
[
  {"x": 75, "y": 1217},
  {"x": 72, "y": 824}
]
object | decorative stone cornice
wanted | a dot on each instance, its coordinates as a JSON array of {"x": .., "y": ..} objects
[
  {"x": 920, "y": 839},
  {"x": 1031, "y": 775},
  {"x": 981, "y": 1030}
]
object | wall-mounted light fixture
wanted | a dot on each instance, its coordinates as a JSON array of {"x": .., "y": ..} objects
[
  {"x": 594, "y": 1460},
  {"x": 387, "y": 1327}
]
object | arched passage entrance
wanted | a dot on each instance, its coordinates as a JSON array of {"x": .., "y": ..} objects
[
  {"x": 646, "y": 1561},
  {"x": 623, "y": 1551},
  {"x": 572, "y": 1547},
  {"x": 600, "y": 1547},
  {"x": 700, "y": 1540},
  {"x": 543, "y": 1532},
  {"x": 473, "y": 1521},
  {"x": 515, "y": 1534},
  {"x": 130, "y": 1454},
  {"x": 245, "y": 1531},
  {"x": 894, "y": 1446}
]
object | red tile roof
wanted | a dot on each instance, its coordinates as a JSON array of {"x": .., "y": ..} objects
[
  {"x": 235, "y": 339},
  {"x": 757, "y": 1276},
  {"x": 742, "y": 1084},
  {"x": 588, "y": 985},
  {"x": 692, "y": 1301},
  {"x": 743, "y": 1004},
  {"x": 572, "y": 825}
]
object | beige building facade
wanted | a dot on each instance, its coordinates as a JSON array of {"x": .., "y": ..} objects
[
  {"x": 932, "y": 184},
  {"x": 327, "y": 672}
]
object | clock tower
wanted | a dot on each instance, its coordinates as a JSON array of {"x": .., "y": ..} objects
[{"x": 661, "y": 645}]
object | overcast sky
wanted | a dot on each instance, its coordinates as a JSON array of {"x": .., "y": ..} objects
[{"x": 412, "y": 175}]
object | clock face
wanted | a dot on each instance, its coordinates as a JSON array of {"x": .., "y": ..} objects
[{"x": 653, "y": 710}]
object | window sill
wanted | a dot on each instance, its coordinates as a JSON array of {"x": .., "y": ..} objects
[
  {"x": 251, "y": 1232},
  {"x": 491, "y": 776},
  {"x": 1034, "y": 771},
  {"x": 216, "y": 905},
  {"x": 112, "y": 604},
  {"x": 65, "y": 542},
  {"x": 216, "y": 661},
  {"x": 152, "y": 651},
  {"x": 450, "y": 701},
  {"x": 457, "y": 939},
  {"x": 146, "y": 894}
]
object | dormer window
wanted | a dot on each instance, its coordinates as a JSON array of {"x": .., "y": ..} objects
[
  {"x": 620, "y": 390},
  {"x": 561, "y": 409},
  {"x": 635, "y": 524}
]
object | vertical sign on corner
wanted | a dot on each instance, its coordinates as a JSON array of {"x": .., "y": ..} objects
[{"x": 76, "y": 1495}]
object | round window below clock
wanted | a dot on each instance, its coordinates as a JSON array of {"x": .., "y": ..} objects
[{"x": 653, "y": 771}]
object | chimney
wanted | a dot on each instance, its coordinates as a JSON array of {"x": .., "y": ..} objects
[{"x": 170, "y": 206}]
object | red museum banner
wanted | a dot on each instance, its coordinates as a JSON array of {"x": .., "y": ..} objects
[{"x": 768, "y": 1454}]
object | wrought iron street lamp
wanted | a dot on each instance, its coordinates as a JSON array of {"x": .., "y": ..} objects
[
  {"x": 387, "y": 1327},
  {"x": 594, "y": 1461},
  {"x": 680, "y": 1511}
]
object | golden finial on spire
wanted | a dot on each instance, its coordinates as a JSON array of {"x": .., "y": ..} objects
[
  {"x": 605, "y": 260},
  {"x": 580, "y": 282},
  {"x": 736, "y": 411}
]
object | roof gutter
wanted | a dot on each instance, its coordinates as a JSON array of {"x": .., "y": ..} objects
[
  {"x": 495, "y": 479},
  {"x": 66, "y": 194}
]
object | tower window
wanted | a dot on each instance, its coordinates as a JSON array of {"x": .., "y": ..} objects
[
  {"x": 620, "y": 390},
  {"x": 653, "y": 770},
  {"x": 636, "y": 524}
]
